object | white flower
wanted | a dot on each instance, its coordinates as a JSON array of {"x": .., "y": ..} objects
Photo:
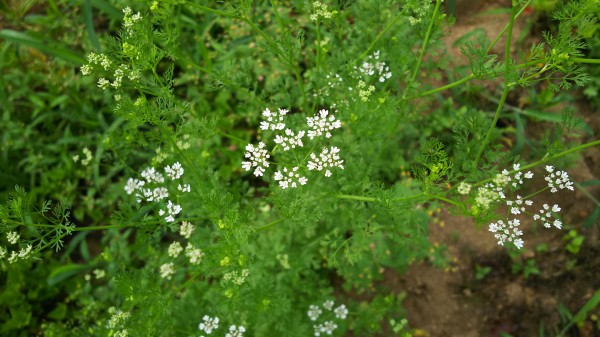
[
  {"x": 464, "y": 188},
  {"x": 289, "y": 178},
  {"x": 174, "y": 172},
  {"x": 103, "y": 83},
  {"x": 13, "y": 237},
  {"x": 175, "y": 249},
  {"x": 3, "y": 252},
  {"x": 558, "y": 180},
  {"x": 24, "y": 252},
  {"x": 329, "y": 158},
  {"x": 314, "y": 312},
  {"x": 341, "y": 312},
  {"x": 172, "y": 208},
  {"x": 328, "y": 304},
  {"x": 322, "y": 123},
  {"x": 328, "y": 327},
  {"x": 184, "y": 188},
  {"x": 545, "y": 215},
  {"x": 209, "y": 324},
  {"x": 194, "y": 254},
  {"x": 258, "y": 157},
  {"x": 85, "y": 70},
  {"x": 132, "y": 185},
  {"x": 158, "y": 194},
  {"x": 273, "y": 120},
  {"x": 151, "y": 175},
  {"x": 509, "y": 232},
  {"x": 291, "y": 140},
  {"x": 236, "y": 331},
  {"x": 167, "y": 270},
  {"x": 186, "y": 229}
]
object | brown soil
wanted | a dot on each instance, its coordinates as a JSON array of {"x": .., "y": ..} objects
[{"x": 452, "y": 301}]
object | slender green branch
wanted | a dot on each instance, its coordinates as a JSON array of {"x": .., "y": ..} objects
[
  {"x": 446, "y": 87},
  {"x": 226, "y": 135},
  {"x": 379, "y": 36},
  {"x": 416, "y": 196},
  {"x": 425, "y": 42},
  {"x": 507, "y": 66},
  {"x": 583, "y": 60},
  {"x": 508, "y": 26},
  {"x": 443, "y": 199},
  {"x": 269, "y": 225},
  {"x": 356, "y": 197}
]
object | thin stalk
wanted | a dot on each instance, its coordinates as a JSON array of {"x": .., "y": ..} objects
[
  {"x": 583, "y": 60},
  {"x": 446, "y": 87},
  {"x": 443, "y": 199},
  {"x": 269, "y": 225},
  {"x": 546, "y": 159},
  {"x": 426, "y": 41},
  {"x": 379, "y": 36},
  {"x": 355, "y": 197},
  {"x": 506, "y": 86}
]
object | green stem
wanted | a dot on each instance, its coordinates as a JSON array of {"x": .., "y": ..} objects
[
  {"x": 425, "y": 42},
  {"x": 507, "y": 27},
  {"x": 226, "y": 135},
  {"x": 507, "y": 67},
  {"x": 546, "y": 160},
  {"x": 379, "y": 36},
  {"x": 446, "y": 87},
  {"x": 355, "y": 197},
  {"x": 583, "y": 60},
  {"x": 269, "y": 225},
  {"x": 443, "y": 199}
]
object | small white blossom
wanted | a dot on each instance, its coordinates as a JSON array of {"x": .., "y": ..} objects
[
  {"x": 545, "y": 216},
  {"x": 507, "y": 232},
  {"x": 194, "y": 254},
  {"x": 13, "y": 237},
  {"x": 103, "y": 83},
  {"x": 328, "y": 305},
  {"x": 209, "y": 324},
  {"x": 133, "y": 185},
  {"x": 341, "y": 312},
  {"x": 322, "y": 123},
  {"x": 151, "y": 175},
  {"x": 289, "y": 178},
  {"x": 464, "y": 188},
  {"x": 3, "y": 252},
  {"x": 174, "y": 172},
  {"x": 258, "y": 157},
  {"x": 273, "y": 120},
  {"x": 85, "y": 70},
  {"x": 175, "y": 249},
  {"x": 186, "y": 229},
  {"x": 314, "y": 312},
  {"x": 167, "y": 270},
  {"x": 290, "y": 140},
  {"x": 329, "y": 158},
  {"x": 236, "y": 331},
  {"x": 184, "y": 188},
  {"x": 558, "y": 180},
  {"x": 24, "y": 252}
]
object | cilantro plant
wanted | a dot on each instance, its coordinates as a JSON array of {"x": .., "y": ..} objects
[{"x": 235, "y": 168}]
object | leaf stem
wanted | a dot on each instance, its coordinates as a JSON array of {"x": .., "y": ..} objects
[{"x": 425, "y": 42}]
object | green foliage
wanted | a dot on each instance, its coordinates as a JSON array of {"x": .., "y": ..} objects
[{"x": 87, "y": 245}]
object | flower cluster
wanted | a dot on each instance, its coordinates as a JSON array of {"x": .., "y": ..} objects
[
  {"x": 117, "y": 321},
  {"x": 320, "y": 10},
  {"x": 192, "y": 253},
  {"x": 120, "y": 72},
  {"x": 320, "y": 125},
  {"x": 376, "y": 68},
  {"x": 151, "y": 189},
  {"x": 328, "y": 326},
  {"x": 23, "y": 253},
  {"x": 509, "y": 230},
  {"x": 210, "y": 324}
]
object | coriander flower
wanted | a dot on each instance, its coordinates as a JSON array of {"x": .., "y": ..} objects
[
  {"x": 258, "y": 158},
  {"x": 558, "y": 180},
  {"x": 194, "y": 254},
  {"x": 546, "y": 215},
  {"x": 209, "y": 324},
  {"x": 175, "y": 249},
  {"x": 341, "y": 312},
  {"x": 314, "y": 312},
  {"x": 167, "y": 270},
  {"x": 236, "y": 331},
  {"x": 174, "y": 172},
  {"x": 85, "y": 70},
  {"x": 328, "y": 305},
  {"x": 507, "y": 232},
  {"x": 13, "y": 237},
  {"x": 274, "y": 120},
  {"x": 322, "y": 123},
  {"x": 132, "y": 185},
  {"x": 464, "y": 188},
  {"x": 103, "y": 83},
  {"x": 291, "y": 140},
  {"x": 151, "y": 175},
  {"x": 186, "y": 229},
  {"x": 289, "y": 178},
  {"x": 184, "y": 188},
  {"x": 329, "y": 158}
]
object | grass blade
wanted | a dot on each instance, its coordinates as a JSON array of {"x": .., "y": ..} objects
[{"x": 33, "y": 42}]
